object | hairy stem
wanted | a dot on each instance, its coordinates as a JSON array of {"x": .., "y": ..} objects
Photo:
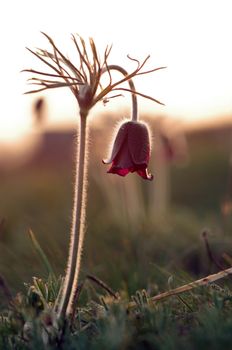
[
  {"x": 65, "y": 302},
  {"x": 78, "y": 224},
  {"x": 134, "y": 116}
]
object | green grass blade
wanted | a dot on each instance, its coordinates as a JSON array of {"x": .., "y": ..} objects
[{"x": 41, "y": 253}]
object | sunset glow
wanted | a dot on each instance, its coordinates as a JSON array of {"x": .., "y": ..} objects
[{"x": 191, "y": 38}]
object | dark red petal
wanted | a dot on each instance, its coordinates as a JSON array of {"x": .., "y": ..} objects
[
  {"x": 123, "y": 158},
  {"x": 144, "y": 174},
  {"x": 142, "y": 171},
  {"x": 119, "y": 140},
  {"x": 118, "y": 171},
  {"x": 138, "y": 142}
]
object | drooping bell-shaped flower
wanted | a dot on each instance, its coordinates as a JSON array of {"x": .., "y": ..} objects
[{"x": 131, "y": 150}]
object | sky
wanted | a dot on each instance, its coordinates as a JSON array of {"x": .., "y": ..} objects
[{"x": 191, "y": 37}]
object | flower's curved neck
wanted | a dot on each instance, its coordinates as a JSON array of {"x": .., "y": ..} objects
[{"x": 134, "y": 115}]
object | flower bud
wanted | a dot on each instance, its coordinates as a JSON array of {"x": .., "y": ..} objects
[{"x": 85, "y": 97}]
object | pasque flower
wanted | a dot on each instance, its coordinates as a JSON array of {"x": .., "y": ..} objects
[{"x": 131, "y": 150}]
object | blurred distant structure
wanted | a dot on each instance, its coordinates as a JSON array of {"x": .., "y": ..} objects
[
  {"x": 226, "y": 204},
  {"x": 170, "y": 147},
  {"x": 39, "y": 109},
  {"x": 202, "y": 181},
  {"x": 55, "y": 150},
  {"x": 170, "y": 144}
]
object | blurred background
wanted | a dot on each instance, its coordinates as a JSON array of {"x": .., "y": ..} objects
[{"x": 138, "y": 233}]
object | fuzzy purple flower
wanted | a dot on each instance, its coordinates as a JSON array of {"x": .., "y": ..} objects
[{"x": 131, "y": 150}]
